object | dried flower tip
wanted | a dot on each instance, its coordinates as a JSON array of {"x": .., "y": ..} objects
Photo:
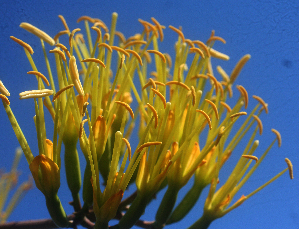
[
  {"x": 214, "y": 107},
  {"x": 60, "y": 91},
  {"x": 106, "y": 46},
  {"x": 39, "y": 75},
  {"x": 158, "y": 53},
  {"x": 238, "y": 114},
  {"x": 4, "y": 99},
  {"x": 3, "y": 89},
  {"x": 290, "y": 166},
  {"x": 262, "y": 102},
  {"x": 207, "y": 117},
  {"x": 136, "y": 55},
  {"x": 179, "y": 32},
  {"x": 127, "y": 107},
  {"x": 197, "y": 50},
  {"x": 81, "y": 127},
  {"x": 129, "y": 147},
  {"x": 155, "y": 114},
  {"x": 147, "y": 145},
  {"x": 35, "y": 94},
  {"x": 22, "y": 43},
  {"x": 236, "y": 71},
  {"x": 278, "y": 136},
  {"x": 95, "y": 60},
  {"x": 75, "y": 76},
  {"x": 178, "y": 83},
  {"x": 160, "y": 96},
  {"x": 116, "y": 48},
  {"x": 37, "y": 32},
  {"x": 259, "y": 123},
  {"x": 251, "y": 157}
]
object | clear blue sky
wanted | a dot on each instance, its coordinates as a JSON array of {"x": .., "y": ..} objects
[{"x": 268, "y": 30}]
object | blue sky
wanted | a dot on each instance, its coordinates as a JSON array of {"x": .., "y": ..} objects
[{"x": 268, "y": 30}]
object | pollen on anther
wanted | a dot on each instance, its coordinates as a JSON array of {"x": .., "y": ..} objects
[
  {"x": 206, "y": 117},
  {"x": 155, "y": 114},
  {"x": 214, "y": 107},
  {"x": 129, "y": 147},
  {"x": 39, "y": 75},
  {"x": 238, "y": 114},
  {"x": 278, "y": 136},
  {"x": 127, "y": 107},
  {"x": 95, "y": 60},
  {"x": 160, "y": 96},
  {"x": 197, "y": 50},
  {"x": 116, "y": 48},
  {"x": 60, "y": 53},
  {"x": 136, "y": 55},
  {"x": 262, "y": 102},
  {"x": 60, "y": 91},
  {"x": 244, "y": 94},
  {"x": 179, "y": 32},
  {"x": 106, "y": 46},
  {"x": 290, "y": 166},
  {"x": 158, "y": 53},
  {"x": 4, "y": 99},
  {"x": 178, "y": 83},
  {"x": 22, "y": 43},
  {"x": 260, "y": 124},
  {"x": 147, "y": 145},
  {"x": 250, "y": 157}
]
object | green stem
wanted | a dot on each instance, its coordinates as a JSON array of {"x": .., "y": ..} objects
[
  {"x": 203, "y": 223},
  {"x": 134, "y": 212},
  {"x": 56, "y": 211},
  {"x": 186, "y": 204},
  {"x": 166, "y": 206}
]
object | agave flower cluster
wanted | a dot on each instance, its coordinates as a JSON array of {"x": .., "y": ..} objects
[{"x": 90, "y": 106}]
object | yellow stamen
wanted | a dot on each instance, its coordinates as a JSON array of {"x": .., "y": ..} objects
[
  {"x": 120, "y": 50},
  {"x": 86, "y": 18},
  {"x": 159, "y": 27},
  {"x": 22, "y": 43},
  {"x": 106, "y": 46},
  {"x": 95, "y": 60},
  {"x": 218, "y": 55},
  {"x": 179, "y": 32},
  {"x": 192, "y": 50},
  {"x": 134, "y": 43},
  {"x": 121, "y": 36},
  {"x": 60, "y": 91},
  {"x": 278, "y": 136},
  {"x": 207, "y": 117},
  {"x": 262, "y": 102},
  {"x": 227, "y": 107},
  {"x": 160, "y": 96},
  {"x": 64, "y": 22},
  {"x": 251, "y": 157},
  {"x": 290, "y": 166},
  {"x": 178, "y": 83},
  {"x": 244, "y": 94},
  {"x": 127, "y": 107},
  {"x": 129, "y": 147},
  {"x": 238, "y": 114},
  {"x": 75, "y": 76},
  {"x": 259, "y": 123},
  {"x": 98, "y": 32},
  {"x": 216, "y": 38},
  {"x": 35, "y": 94},
  {"x": 4, "y": 99},
  {"x": 79, "y": 36},
  {"x": 168, "y": 59},
  {"x": 155, "y": 114},
  {"x": 236, "y": 71},
  {"x": 214, "y": 107},
  {"x": 136, "y": 55},
  {"x": 193, "y": 93},
  {"x": 72, "y": 35},
  {"x": 3, "y": 89},
  {"x": 64, "y": 49},
  {"x": 39, "y": 75},
  {"x": 59, "y": 34},
  {"x": 37, "y": 32},
  {"x": 202, "y": 46},
  {"x": 223, "y": 74},
  {"x": 158, "y": 53},
  {"x": 59, "y": 52},
  {"x": 147, "y": 145}
]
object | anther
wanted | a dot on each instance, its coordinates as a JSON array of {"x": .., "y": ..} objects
[{"x": 39, "y": 75}]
